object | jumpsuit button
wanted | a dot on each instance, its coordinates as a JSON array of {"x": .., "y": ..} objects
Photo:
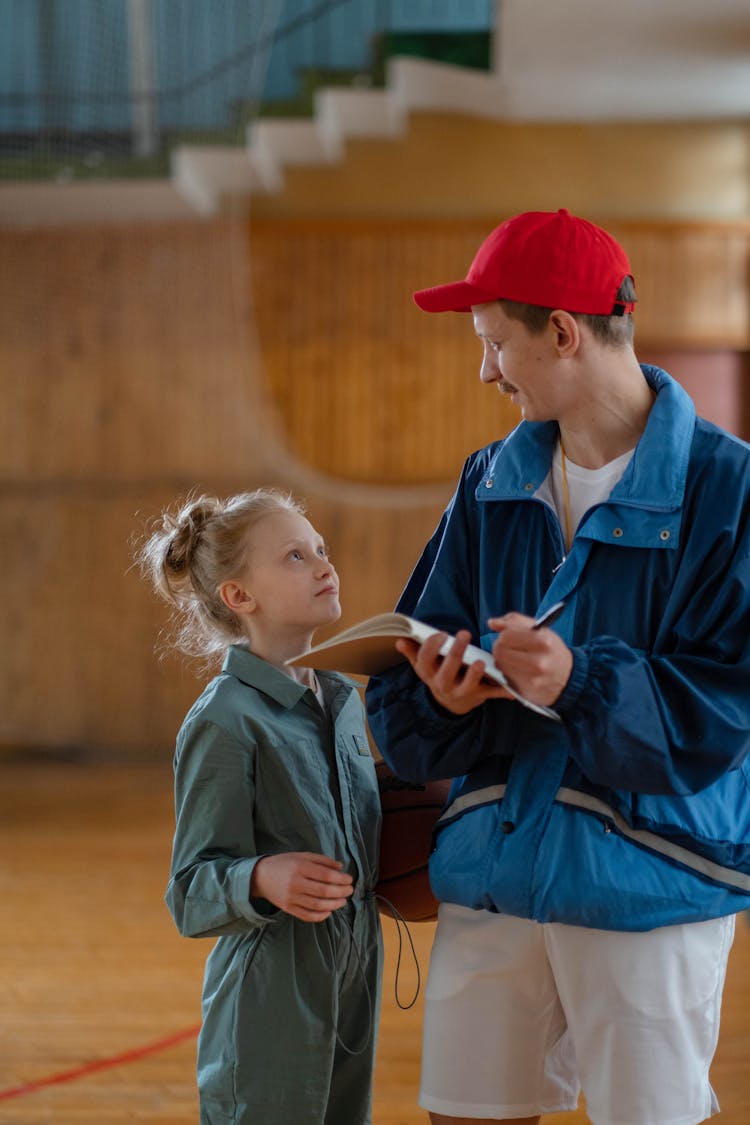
[{"x": 508, "y": 826}]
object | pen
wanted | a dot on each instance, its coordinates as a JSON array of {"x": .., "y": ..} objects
[{"x": 549, "y": 615}]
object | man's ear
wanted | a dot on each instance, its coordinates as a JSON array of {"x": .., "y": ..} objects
[
  {"x": 236, "y": 598},
  {"x": 566, "y": 333}
]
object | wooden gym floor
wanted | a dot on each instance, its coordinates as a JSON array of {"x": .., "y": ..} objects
[{"x": 99, "y": 996}]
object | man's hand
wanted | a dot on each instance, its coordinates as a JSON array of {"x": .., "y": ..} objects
[
  {"x": 536, "y": 661},
  {"x": 306, "y": 885},
  {"x": 457, "y": 687}
]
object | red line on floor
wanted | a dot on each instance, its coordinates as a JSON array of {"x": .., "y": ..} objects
[{"x": 100, "y": 1064}]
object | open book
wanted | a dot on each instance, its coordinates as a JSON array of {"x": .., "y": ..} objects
[{"x": 369, "y": 648}]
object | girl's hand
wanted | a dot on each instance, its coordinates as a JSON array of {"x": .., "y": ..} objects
[{"x": 308, "y": 886}]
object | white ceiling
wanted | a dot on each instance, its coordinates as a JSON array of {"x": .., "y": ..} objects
[{"x": 624, "y": 59}]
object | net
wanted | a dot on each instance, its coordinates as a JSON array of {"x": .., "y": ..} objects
[{"x": 131, "y": 368}]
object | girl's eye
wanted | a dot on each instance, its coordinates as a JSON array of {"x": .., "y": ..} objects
[
  {"x": 295, "y": 555},
  {"x": 323, "y": 552}
]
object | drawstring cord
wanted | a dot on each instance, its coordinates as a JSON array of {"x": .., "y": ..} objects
[
  {"x": 338, "y": 919},
  {"x": 400, "y": 921}
]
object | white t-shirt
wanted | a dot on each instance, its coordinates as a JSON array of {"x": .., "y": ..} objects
[{"x": 586, "y": 487}]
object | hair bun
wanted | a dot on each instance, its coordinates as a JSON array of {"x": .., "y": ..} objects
[{"x": 184, "y": 531}]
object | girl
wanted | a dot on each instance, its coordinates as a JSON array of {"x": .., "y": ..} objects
[{"x": 277, "y": 820}]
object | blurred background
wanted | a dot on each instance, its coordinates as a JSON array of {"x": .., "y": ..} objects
[{"x": 212, "y": 218}]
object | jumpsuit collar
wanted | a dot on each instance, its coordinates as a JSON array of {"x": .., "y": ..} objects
[{"x": 257, "y": 673}]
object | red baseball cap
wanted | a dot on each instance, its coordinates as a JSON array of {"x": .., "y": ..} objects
[{"x": 546, "y": 258}]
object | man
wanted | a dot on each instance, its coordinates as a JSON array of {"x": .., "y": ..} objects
[{"x": 588, "y": 869}]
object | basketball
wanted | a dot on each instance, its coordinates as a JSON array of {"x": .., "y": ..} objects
[{"x": 409, "y": 810}]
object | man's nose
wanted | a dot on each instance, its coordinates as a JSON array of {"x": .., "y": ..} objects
[{"x": 489, "y": 372}]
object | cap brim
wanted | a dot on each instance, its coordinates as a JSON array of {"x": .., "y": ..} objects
[{"x": 458, "y": 296}]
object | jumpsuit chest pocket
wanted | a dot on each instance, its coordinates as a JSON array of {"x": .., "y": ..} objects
[{"x": 294, "y": 785}]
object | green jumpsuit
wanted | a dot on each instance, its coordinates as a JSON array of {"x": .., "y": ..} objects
[{"x": 289, "y": 1008}]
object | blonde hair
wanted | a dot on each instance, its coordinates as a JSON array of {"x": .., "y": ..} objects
[{"x": 198, "y": 546}]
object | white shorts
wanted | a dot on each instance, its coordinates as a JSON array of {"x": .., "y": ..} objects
[{"x": 520, "y": 1016}]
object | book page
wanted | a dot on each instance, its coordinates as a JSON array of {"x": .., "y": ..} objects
[{"x": 369, "y": 648}]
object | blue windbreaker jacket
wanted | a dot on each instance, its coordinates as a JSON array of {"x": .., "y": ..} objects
[{"x": 634, "y": 810}]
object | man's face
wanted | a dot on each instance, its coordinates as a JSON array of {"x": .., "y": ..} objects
[{"x": 522, "y": 365}]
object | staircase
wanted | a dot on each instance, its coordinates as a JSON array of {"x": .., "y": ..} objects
[{"x": 203, "y": 176}]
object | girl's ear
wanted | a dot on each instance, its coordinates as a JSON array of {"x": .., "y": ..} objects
[{"x": 236, "y": 598}]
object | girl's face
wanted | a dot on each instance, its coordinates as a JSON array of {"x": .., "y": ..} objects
[{"x": 292, "y": 583}]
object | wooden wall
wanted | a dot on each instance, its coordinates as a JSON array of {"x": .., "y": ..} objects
[
  {"x": 130, "y": 375},
  {"x": 134, "y": 367},
  {"x": 452, "y": 165},
  {"x": 367, "y": 386}
]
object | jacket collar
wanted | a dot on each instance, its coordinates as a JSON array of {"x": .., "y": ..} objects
[{"x": 654, "y": 479}]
